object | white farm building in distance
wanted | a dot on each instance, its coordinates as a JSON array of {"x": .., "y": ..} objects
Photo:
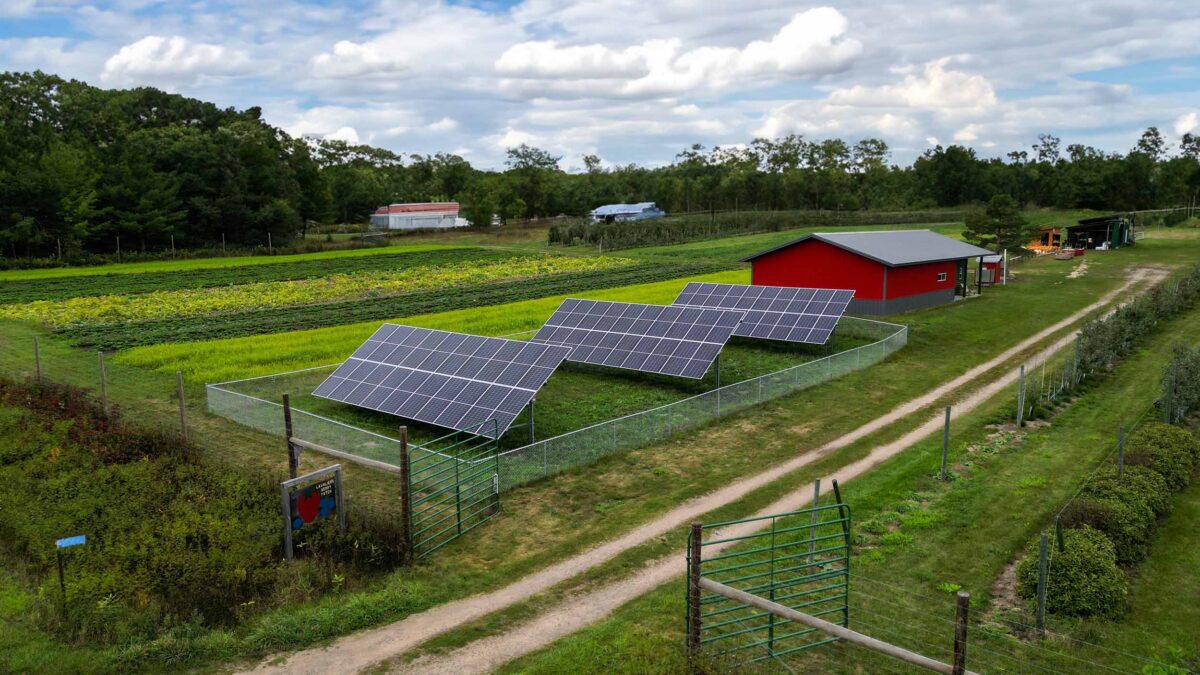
[
  {"x": 426, "y": 216},
  {"x": 611, "y": 213}
]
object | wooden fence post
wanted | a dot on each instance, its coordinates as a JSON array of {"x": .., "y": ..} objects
[
  {"x": 37, "y": 360},
  {"x": 945, "y": 442},
  {"x": 962, "y": 606},
  {"x": 293, "y": 459},
  {"x": 694, "y": 551},
  {"x": 1041, "y": 587},
  {"x": 406, "y": 534},
  {"x": 103, "y": 384},
  {"x": 183, "y": 430}
]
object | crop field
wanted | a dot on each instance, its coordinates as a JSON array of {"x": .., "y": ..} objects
[
  {"x": 339, "y": 287},
  {"x": 274, "y": 269}
]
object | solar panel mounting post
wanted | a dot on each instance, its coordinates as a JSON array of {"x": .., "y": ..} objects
[{"x": 531, "y": 427}]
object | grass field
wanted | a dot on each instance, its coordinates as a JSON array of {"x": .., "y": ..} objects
[{"x": 546, "y": 521}]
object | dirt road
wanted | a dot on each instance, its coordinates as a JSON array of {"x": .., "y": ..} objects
[{"x": 355, "y": 652}]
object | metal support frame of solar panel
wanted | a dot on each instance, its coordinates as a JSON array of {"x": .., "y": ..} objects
[
  {"x": 663, "y": 339},
  {"x": 451, "y": 380},
  {"x": 807, "y": 315}
]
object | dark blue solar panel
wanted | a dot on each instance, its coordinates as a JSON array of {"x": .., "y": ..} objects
[
  {"x": 670, "y": 340},
  {"x": 452, "y": 380},
  {"x": 774, "y": 312}
]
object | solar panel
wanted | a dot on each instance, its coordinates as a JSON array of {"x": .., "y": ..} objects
[
  {"x": 451, "y": 380},
  {"x": 681, "y": 341},
  {"x": 806, "y": 315}
]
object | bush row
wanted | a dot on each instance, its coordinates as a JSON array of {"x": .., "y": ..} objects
[
  {"x": 1111, "y": 522},
  {"x": 695, "y": 227},
  {"x": 1181, "y": 384},
  {"x": 1103, "y": 342},
  {"x": 171, "y": 540}
]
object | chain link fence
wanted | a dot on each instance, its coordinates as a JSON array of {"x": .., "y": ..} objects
[{"x": 252, "y": 402}]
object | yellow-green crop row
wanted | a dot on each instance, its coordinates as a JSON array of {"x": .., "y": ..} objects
[
  {"x": 236, "y": 358},
  {"x": 110, "y": 309}
]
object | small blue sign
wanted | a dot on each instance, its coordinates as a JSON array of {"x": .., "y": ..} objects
[{"x": 78, "y": 540}]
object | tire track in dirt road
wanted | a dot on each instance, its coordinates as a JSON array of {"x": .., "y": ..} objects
[{"x": 366, "y": 648}]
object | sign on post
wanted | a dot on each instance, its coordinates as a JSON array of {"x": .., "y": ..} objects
[{"x": 309, "y": 498}]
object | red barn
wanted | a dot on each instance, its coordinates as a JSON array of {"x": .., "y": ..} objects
[{"x": 889, "y": 271}]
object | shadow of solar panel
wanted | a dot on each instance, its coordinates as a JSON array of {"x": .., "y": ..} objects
[
  {"x": 668, "y": 340},
  {"x": 807, "y": 315},
  {"x": 447, "y": 379}
]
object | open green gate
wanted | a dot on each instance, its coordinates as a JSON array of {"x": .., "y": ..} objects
[
  {"x": 799, "y": 559},
  {"x": 454, "y": 486}
]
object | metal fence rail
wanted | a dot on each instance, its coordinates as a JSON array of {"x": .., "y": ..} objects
[
  {"x": 252, "y": 402},
  {"x": 577, "y": 448}
]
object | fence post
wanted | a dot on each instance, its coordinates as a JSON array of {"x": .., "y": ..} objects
[
  {"x": 945, "y": 442},
  {"x": 293, "y": 460},
  {"x": 406, "y": 535},
  {"x": 812, "y": 529},
  {"x": 37, "y": 360},
  {"x": 961, "y": 607},
  {"x": 1120, "y": 450},
  {"x": 531, "y": 427},
  {"x": 183, "y": 431},
  {"x": 1021, "y": 398},
  {"x": 693, "y": 624},
  {"x": 1058, "y": 533},
  {"x": 1041, "y": 587},
  {"x": 103, "y": 384}
]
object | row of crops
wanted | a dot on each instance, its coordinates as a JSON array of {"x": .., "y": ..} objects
[
  {"x": 114, "y": 308},
  {"x": 254, "y": 271}
]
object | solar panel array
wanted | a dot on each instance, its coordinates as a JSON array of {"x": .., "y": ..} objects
[
  {"x": 669, "y": 340},
  {"x": 806, "y": 315},
  {"x": 451, "y": 380}
]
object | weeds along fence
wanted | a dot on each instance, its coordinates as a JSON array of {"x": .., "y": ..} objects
[{"x": 254, "y": 403}]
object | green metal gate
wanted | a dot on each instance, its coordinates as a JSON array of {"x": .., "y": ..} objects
[
  {"x": 799, "y": 559},
  {"x": 454, "y": 486}
]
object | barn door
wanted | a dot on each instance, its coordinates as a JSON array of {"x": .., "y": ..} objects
[{"x": 960, "y": 279}]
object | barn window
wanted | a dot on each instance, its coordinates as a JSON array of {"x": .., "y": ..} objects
[{"x": 941, "y": 276}]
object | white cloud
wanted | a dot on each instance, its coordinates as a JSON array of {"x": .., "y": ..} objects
[
  {"x": 347, "y": 134},
  {"x": 350, "y": 59},
  {"x": 1186, "y": 124},
  {"x": 172, "y": 59},
  {"x": 444, "y": 124},
  {"x": 968, "y": 133},
  {"x": 813, "y": 43},
  {"x": 686, "y": 109},
  {"x": 936, "y": 88}
]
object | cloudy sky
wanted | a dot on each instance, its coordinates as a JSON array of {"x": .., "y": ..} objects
[{"x": 636, "y": 81}]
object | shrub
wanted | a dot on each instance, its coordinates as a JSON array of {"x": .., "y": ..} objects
[
  {"x": 1083, "y": 580},
  {"x": 1149, "y": 485},
  {"x": 1168, "y": 450},
  {"x": 1121, "y": 513}
]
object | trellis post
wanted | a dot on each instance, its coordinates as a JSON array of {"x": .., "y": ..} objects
[
  {"x": 37, "y": 360},
  {"x": 1041, "y": 587},
  {"x": 945, "y": 442},
  {"x": 183, "y": 430},
  {"x": 103, "y": 384},
  {"x": 1021, "y": 398},
  {"x": 1121, "y": 450}
]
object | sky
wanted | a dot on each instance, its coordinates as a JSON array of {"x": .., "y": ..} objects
[{"x": 635, "y": 81}]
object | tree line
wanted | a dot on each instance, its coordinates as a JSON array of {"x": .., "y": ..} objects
[{"x": 81, "y": 166}]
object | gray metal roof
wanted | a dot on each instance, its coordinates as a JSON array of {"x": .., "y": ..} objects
[
  {"x": 894, "y": 248},
  {"x": 615, "y": 209}
]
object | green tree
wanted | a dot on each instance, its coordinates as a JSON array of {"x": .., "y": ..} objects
[{"x": 999, "y": 225}]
